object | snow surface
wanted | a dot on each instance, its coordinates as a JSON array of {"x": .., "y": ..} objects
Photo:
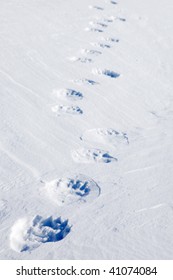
[{"x": 86, "y": 88}]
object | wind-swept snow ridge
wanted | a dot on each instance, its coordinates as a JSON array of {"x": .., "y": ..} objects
[
  {"x": 3, "y": 209},
  {"x": 67, "y": 190},
  {"x": 27, "y": 235}
]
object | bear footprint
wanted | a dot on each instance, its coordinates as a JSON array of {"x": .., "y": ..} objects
[
  {"x": 27, "y": 234},
  {"x": 111, "y": 40},
  {"x": 94, "y": 29},
  {"x": 68, "y": 94},
  {"x": 85, "y": 82},
  {"x": 96, "y": 7},
  {"x": 81, "y": 59},
  {"x": 106, "y": 72},
  {"x": 64, "y": 109},
  {"x": 67, "y": 190},
  {"x": 101, "y": 45},
  {"x": 90, "y": 52},
  {"x": 105, "y": 135},
  {"x": 83, "y": 155}
]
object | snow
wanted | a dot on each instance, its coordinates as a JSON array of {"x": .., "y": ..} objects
[{"x": 86, "y": 94}]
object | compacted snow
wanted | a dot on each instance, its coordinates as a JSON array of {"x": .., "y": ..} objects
[{"x": 86, "y": 110}]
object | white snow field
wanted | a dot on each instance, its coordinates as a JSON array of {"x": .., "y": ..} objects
[{"x": 86, "y": 129}]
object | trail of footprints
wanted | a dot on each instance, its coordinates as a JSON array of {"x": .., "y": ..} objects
[{"x": 29, "y": 233}]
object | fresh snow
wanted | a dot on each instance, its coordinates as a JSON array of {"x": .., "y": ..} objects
[{"x": 86, "y": 114}]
